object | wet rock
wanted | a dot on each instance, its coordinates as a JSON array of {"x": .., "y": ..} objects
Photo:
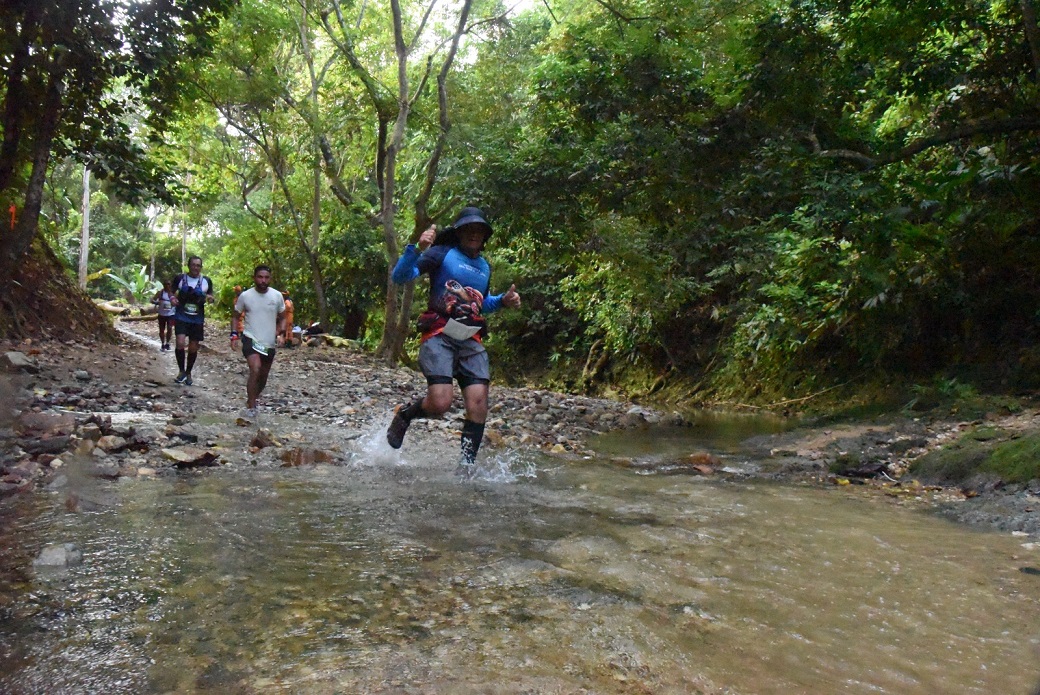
[
  {"x": 111, "y": 443},
  {"x": 635, "y": 417},
  {"x": 47, "y": 444},
  {"x": 263, "y": 439},
  {"x": 190, "y": 457},
  {"x": 109, "y": 470},
  {"x": 42, "y": 423},
  {"x": 59, "y": 555},
  {"x": 18, "y": 362},
  {"x": 85, "y": 447},
  {"x": 59, "y": 483},
  {"x": 22, "y": 470},
  {"x": 300, "y": 456},
  {"x": 90, "y": 431}
]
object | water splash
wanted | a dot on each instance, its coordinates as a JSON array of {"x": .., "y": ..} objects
[
  {"x": 508, "y": 466},
  {"x": 372, "y": 447}
]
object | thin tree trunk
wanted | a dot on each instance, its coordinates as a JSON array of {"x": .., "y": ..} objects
[
  {"x": 84, "y": 235},
  {"x": 1032, "y": 34},
  {"x": 391, "y": 320},
  {"x": 392, "y": 345}
]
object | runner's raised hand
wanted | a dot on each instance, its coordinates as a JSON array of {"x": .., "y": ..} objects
[{"x": 511, "y": 298}]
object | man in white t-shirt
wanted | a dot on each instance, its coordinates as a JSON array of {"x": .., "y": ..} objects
[{"x": 263, "y": 331}]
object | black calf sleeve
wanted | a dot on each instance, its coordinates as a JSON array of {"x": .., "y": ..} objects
[
  {"x": 472, "y": 435},
  {"x": 191, "y": 361},
  {"x": 180, "y": 357}
]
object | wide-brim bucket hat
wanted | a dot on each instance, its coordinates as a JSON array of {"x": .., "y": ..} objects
[{"x": 469, "y": 215}]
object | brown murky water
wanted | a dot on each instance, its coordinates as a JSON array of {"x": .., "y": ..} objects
[{"x": 396, "y": 577}]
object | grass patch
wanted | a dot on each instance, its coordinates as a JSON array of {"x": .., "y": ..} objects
[
  {"x": 982, "y": 450},
  {"x": 1016, "y": 461},
  {"x": 952, "y": 464}
]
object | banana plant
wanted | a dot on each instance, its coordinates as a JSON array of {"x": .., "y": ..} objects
[{"x": 138, "y": 287}]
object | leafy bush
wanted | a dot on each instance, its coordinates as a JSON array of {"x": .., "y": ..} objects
[{"x": 137, "y": 286}]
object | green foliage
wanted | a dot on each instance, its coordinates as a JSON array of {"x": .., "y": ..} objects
[
  {"x": 766, "y": 198},
  {"x": 137, "y": 285}
]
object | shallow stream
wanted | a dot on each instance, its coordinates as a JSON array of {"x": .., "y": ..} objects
[{"x": 394, "y": 576}]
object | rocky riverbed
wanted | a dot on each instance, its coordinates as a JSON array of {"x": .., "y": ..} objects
[{"x": 115, "y": 410}]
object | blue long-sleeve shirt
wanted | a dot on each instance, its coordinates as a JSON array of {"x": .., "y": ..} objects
[{"x": 443, "y": 264}]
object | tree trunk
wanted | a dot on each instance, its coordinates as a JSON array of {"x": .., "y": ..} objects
[
  {"x": 398, "y": 315},
  {"x": 15, "y": 94},
  {"x": 422, "y": 215},
  {"x": 1032, "y": 35},
  {"x": 25, "y": 228},
  {"x": 84, "y": 236},
  {"x": 391, "y": 342}
]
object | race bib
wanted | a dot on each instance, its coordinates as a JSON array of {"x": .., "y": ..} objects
[
  {"x": 191, "y": 309},
  {"x": 459, "y": 331},
  {"x": 260, "y": 348}
]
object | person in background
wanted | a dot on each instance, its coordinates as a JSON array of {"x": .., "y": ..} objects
[
  {"x": 453, "y": 326},
  {"x": 263, "y": 313},
  {"x": 239, "y": 323},
  {"x": 288, "y": 320},
  {"x": 163, "y": 299},
  {"x": 192, "y": 292}
]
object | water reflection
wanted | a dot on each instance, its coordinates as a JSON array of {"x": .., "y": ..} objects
[{"x": 397, "y": 577}]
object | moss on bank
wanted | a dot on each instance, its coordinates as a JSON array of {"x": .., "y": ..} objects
[{"x": 1011, "y": 456}]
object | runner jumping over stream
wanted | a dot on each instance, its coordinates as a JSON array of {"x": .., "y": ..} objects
[{"x": 452, "y": 326}]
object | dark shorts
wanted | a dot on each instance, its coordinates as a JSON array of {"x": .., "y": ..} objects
[
  {"x": 192, "y": 330},
  {"x": 247, "y": 350},
  {"x": 443, "y": 359},
  {"x": 165, "y": 321}
]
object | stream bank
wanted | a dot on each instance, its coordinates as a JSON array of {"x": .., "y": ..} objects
[{"x": 116, "y": 409}]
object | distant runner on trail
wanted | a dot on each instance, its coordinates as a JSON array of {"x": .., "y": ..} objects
[
  {"x": 164, "y": 300},
  {"x": 288, "y": 332},
  {"x": 264, "y": 329},
  {"x": 191, "y": 292},
  {"x": 452, "y": 326}
]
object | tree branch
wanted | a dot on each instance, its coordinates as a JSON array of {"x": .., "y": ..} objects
[{"x": 969, "y": 129}]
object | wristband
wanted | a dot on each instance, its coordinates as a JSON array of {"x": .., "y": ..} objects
[{"x": 234, "y": 334}]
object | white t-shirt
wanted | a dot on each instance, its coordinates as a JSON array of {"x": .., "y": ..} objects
[{"x": 261, "y": 312}]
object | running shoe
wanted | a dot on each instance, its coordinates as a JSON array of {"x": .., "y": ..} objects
[
  {"x": 187, "y": 380},
  {"x": 398, "y": 426},
  {"x": 249, "y": 413},
  {"x": 181, "y": 378}
]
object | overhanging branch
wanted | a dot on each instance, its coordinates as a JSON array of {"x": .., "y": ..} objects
[{"x": 966, "y": 130}]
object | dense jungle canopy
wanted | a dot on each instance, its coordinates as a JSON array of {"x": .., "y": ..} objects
[{"x": 744, "y": 198}]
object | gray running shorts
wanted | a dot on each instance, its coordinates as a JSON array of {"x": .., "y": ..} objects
[{"x": 443, "y": 359}]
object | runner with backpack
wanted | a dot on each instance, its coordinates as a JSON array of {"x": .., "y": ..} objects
[{"x": 192, "y": 291}]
